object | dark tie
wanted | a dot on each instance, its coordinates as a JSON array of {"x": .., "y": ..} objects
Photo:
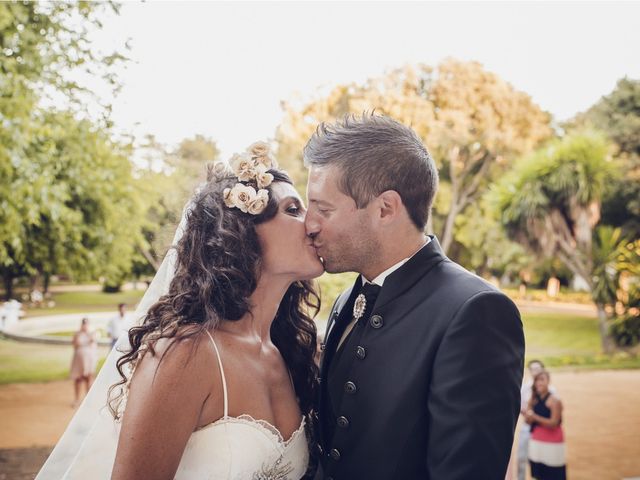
[{"x": 370, "y": 292}]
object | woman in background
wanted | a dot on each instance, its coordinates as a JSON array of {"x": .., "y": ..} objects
[
  {"x": 83, "y": 363},
  {"x": 546, "y": 446}
]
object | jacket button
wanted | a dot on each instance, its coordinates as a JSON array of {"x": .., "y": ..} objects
[
  {"x": 343, "y": 422},
  {"x": 334, "y": 454},
  {"x": 360, "y": 352},
  {"x": 376, "y": 321},
  {"x": 319, "y": 449},
  {"x": 350, "y": 387},
  {"x": 329, "y": 478}
]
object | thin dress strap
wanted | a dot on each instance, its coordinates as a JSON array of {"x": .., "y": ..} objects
[{"x": 224, "y": 380}]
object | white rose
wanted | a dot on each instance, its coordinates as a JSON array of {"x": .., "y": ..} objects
[
  {"x": 259, "y": 202},
  {"x": 243, "y": 195},
  {"x": 263, "y": 179},
  {"x": 267, "y": 160},
  {"x": 259, "y": 149},
  {"x": 261, "y": 154},
  {"x": 243, "y": 166}
]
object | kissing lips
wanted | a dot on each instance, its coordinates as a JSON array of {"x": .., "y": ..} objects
[{"x": 317, "y": 247}]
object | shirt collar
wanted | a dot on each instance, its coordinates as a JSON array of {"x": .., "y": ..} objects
[{"x": 379, "y": 280}]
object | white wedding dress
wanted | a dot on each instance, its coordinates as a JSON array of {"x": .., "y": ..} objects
[
  {"x": 231, "y": 448},
  {"x": 243, "y": 448}
]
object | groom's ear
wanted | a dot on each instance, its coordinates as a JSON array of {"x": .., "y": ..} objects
[{"x": 390, "y": 205}]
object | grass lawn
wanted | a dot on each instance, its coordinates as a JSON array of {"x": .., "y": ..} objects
[
  {"x": 26, "y": 362},
  {"x": 560, "y": 340},
  {"x": 568, "y": 340},
  {"x": 80, "y": 302}
]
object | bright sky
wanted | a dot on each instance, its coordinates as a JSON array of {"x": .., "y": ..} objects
[{"x": 221, "y": 69}]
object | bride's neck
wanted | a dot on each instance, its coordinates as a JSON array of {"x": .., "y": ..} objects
[{"x": 264, "y": 301}]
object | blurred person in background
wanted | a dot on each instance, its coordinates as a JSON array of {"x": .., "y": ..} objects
[
  {"x": 546, "y": 445},
  {"x": 117, "y": 324},
  {"x": 534, "y": 367},
  {"x": 83, "y": 364}
]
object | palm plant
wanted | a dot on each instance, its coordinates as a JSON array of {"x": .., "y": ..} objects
[{"x": 551, "y": 202}]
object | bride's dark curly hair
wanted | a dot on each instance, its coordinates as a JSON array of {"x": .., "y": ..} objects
[{"x": 215, "y": 274}]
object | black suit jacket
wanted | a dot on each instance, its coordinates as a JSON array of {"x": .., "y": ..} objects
[{"x": 429, "y": 387}]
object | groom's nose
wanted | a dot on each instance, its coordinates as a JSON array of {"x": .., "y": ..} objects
[{"x": 311, "y": 225}]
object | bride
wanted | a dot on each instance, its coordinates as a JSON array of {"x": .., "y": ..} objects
[{"x": 218, "y": 380}]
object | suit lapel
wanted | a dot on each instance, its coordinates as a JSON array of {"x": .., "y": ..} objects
[
  {"x": 411, "y": 272},
  {"x": 338, "y": 320}
]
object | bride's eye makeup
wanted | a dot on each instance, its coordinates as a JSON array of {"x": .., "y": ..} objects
[{"x": 294, "y": 208}]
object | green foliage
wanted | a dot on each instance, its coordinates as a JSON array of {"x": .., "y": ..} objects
[
  {"x": 618, "y": 115},
  {"x": 164, "y": 186},
  {"x": 72, "y": 208},
  {"x": 621, "y": 203},
  {"x": 574, "y": 169},
  {"x": 487, "y": 249},
  {"x": 625, "y": 329},
  {"x": 62, "y": 180},
  {"x": 551, "y": 202},
  {"x": 606, "y": 273}
]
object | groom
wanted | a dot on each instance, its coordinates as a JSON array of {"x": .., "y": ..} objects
[{"x": 422, "y": 361}]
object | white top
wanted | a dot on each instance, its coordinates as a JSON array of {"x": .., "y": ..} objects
[
  {"x": 117, "y": 326},
  {"x": 231, "y": 448}
]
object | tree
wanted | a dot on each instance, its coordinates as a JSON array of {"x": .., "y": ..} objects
[
  {"x": 551, "y": 202},
  {"x": 42, "y": 43},
  {"x": 73, "y": 203},
  {"x": 487, "y": 248},
  {"x": 473, "y": 122},
  {"x": 618, "y": 115},
  {"x": 165, "y": 185}
]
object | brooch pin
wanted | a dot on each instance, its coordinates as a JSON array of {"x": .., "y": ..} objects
[{"x": 359, "y": 306}]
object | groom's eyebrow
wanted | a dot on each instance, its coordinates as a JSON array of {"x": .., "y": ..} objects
[{"x": 320, "y": 202}]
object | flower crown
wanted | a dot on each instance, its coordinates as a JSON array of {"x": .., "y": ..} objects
[{"x": 251, "y": 167}]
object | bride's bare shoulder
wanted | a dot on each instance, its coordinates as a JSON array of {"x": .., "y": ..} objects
[{"x": 177, "y": 361}]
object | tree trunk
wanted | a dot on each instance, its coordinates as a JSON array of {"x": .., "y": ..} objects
[
  {"x": 608, "y": 346},
  {"x": 149, "y": 258},
  {"x": 447, "y": 234},
  {"x": 8, "y": 286},
  {"x": 47, "y": 280}
]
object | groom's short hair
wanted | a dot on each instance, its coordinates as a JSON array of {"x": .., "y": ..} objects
[{"x": 376, "y": 153}]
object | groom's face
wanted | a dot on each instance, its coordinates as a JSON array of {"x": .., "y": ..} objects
[{"x": 342, "y": 234}]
